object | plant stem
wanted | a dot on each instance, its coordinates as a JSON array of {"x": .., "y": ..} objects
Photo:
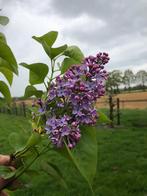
[
  {"x": 52, "y": 66},
  {"x": 25, "y": 168},
  {"x": 45, "y": 86},
  {"x": 22, "y": 170},
  {"x": 36, "y": 157}
]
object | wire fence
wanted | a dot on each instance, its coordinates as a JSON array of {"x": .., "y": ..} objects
[
  {"x": 20, "y": 109},
  {"x": 112, "y": 104},
  {"x": 115, "y": 105}
]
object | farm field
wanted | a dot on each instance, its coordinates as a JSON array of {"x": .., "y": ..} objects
[
  {"x": 122, "y": 159},
  {"x": 127, "y": 97},
  {"x": 103, "y": 102},
  {"x": 127, "y": 101}
]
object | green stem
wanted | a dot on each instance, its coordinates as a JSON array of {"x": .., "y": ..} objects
[
  {"x": 38, "y": 121},
  {"x": 52, "y": 66},
  {"x": 21, "y": 152},
  {"x": 44, "y": 150},
  {"x": 45, "y": 86},
  {"x": 25, "y": 168}
]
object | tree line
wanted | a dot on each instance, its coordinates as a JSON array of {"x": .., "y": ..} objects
[{"x": 126, "y": 81}]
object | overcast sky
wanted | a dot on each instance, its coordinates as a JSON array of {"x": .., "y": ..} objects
[{"x": 118, "y": 27}]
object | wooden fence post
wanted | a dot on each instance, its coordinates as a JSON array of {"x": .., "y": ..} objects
[
  {"x": 111, "y": 112},
  {"x": 8, "y": 109},
  {"x": 15, "y": 108},
  {"x": 118, "y": 111},
  {"x": 24, "y": 109}
]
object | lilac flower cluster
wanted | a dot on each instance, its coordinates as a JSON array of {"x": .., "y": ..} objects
[
  {"x": 71, "y": 100},
  {"x": 59, "y": 128}
]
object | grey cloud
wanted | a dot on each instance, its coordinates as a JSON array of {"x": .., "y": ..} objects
[
  {"x": 116, "y": 26},
  {"x": 125, "y": 23},
  {"x": 114, "y": 10},
  {"x": 130, "y": 60},
  {"x": 122, "y": 17}
]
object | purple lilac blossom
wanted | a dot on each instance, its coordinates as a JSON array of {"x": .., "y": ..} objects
[
  {"x": 62, "y": 130},
  {"x": 73, "y": 97}
]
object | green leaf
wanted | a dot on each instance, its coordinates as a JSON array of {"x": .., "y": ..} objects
[
  {"x": 53, "y": 52},
  {"x": 84, "y": 155},
  {"x": 5, "y": 64},
  {"x": 33, "y": 140},
  {"x": 38, "y": 72},
  {"x": 102, "y": 118},
  {"x": 7, "y": 73},
  {"x": 52, "y": 170},
  {"x": 49, "y": 38},
  {"x": 67, "y": 63},
  {"x": 47, "y": 48},
  {"x": 5, "y": 91},
  {"x": 56, "y": 51},
  {"x": 75, "y": 53},
  {"x": 7, "y": 58},
  {"x": 32, "y": 173},
  {"x": 2, "y": 38},
  {"x": 4, "y": 20},
  {"x": 47, "y": 41},
  {"x": 31, "y": 90}
]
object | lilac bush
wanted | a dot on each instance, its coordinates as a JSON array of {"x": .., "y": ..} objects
[{"x": 64, "y": 116}]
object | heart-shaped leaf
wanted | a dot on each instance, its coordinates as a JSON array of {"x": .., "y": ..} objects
[
  {"x": 56, "y": 51},
  {"x": 49, "y": 38},
  {"x": 38, "y": 72},
  {"x": 31, "y": 90},
  {"x": 47, "y": 41},
  {"x": 67, "y": 63},
  {"x": 75, "y": 53}
]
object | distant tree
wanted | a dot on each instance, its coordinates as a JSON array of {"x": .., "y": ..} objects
[
  {"x": 109, "y": 83},
  {"x": 114, "y": 81},
  {"x": 128, "y": 78},
  {"x": 141, "y": 77}
]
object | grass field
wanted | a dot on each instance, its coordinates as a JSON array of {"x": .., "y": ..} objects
[{"x": 122, "y": 159}]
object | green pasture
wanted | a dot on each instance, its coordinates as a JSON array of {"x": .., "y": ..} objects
[{"x": 122, "y": 160}]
